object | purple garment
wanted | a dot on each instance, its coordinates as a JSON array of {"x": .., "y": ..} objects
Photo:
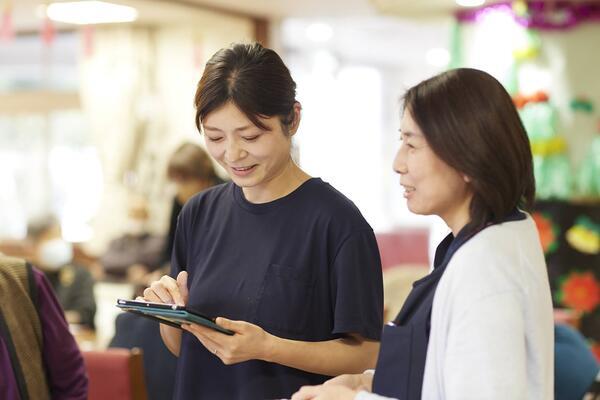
[{"x": 63, "y": 362}]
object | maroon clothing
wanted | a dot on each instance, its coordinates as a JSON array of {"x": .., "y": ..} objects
[{"x": 63, "y": 362}]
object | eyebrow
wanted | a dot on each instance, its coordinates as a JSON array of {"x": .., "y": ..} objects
[
  {"x": 406, "y": 133},
  {"x": 239, "y": 129}
]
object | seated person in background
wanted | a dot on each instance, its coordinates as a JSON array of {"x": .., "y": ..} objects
[
  {"x": 137, "y": 251},
  {"x": 191, "y": 171},
  {"x": 575, "y": 367},
  {"x": 39, "y": 358},
  {"x": 160, "y": 364},
  {"x": 73, "y": 285}
]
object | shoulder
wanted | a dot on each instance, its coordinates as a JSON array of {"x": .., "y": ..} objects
[
  {"x": 326, "y": 201},
  {"x": 503, "y": 257}
]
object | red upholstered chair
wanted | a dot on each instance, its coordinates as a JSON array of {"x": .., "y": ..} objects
[{"x": 115, "y": 374}]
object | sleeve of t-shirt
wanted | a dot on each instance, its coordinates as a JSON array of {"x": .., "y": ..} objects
[
  {"x": 62, "y": 360},
  {"x": 179, "y": 255},
  {"x": 358, "y": 294}
]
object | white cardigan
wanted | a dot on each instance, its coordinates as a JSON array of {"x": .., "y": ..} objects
[{"x": 492, "y": 333}]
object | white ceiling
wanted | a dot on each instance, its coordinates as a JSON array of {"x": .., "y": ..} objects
[{"x": 157, "y": 11}]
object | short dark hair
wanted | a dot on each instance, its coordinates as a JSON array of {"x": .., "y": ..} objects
[
  {"x": 190, "y": 161},
  {"x": 251, "y": 76},
  {"x": 471, "y": 123}
]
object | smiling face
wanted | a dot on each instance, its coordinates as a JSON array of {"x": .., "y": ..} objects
[
  {"x": 257, "y": 160},
  {"x": 431, "y": 186}
]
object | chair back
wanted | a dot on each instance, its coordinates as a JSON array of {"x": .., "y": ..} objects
[{"x": 116, "y": 374}]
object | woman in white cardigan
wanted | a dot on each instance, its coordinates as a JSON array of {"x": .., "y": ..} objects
[{"x": 479, "y": 326}]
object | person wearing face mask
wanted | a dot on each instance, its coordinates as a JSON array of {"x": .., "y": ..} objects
[
  {"x": 480, "y": 325},
  {"x": 138, "y": 251},
  {"x": 73, "y": 284},
  {"x": 281, "y": 258}
]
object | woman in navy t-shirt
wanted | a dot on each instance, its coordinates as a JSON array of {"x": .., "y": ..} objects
[{"x": 283, "y": 259}]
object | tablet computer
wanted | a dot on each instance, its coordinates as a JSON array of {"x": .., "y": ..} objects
[{"x": 170, "y": 314}]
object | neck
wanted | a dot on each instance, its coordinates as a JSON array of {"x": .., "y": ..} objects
[
  {"x": 459, "y": 217},
  {"x": 280, "y": 185}
]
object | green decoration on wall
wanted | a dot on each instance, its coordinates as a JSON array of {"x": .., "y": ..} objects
[{"x": 456, "y": 56}]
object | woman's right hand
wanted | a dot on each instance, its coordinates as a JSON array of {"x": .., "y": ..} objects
[
  {"x": 362, "y": 381},
  {"x": 168, "y": 290}
]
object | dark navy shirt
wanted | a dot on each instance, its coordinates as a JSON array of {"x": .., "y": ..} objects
[{"x": 303, "y": 267}]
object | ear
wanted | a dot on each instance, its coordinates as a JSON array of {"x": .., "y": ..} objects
[
  {"x": 466, "y": 178},
  {"x": 297, "y": 117}
]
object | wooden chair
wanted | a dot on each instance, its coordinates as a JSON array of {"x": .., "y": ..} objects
[{"x": 116, "y": 374}]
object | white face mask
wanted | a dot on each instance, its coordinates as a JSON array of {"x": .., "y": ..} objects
[
  {"x": 55, "y": 253},
  {"x": 135, "y": 227}
]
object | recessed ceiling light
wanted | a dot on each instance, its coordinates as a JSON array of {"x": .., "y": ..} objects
[
  {"x": 90, "y": 12},
  {"x": 470, "y": 3}
]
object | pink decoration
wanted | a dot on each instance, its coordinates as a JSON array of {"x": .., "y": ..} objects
[
  {"x": 543, "y": 15},
  {"x": 88, "y": 40},
  {"x": 48, "y": 31},
  {"x": 6, "y": 26}
]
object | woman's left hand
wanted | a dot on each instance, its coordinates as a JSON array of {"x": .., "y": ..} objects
[
  {"x": 250, "y": 341},
  {"x": 324, "y": 392}
]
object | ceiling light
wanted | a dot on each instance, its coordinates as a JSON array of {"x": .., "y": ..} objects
[
  {"x": 90, "y": 12},
  {"x": 470, "y": 3},
  {"x": 319, "y": 32}
]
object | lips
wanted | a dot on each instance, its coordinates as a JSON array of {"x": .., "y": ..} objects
[
  {"x": 408, "y": 190},
  {"x": 243, "y": 171}
]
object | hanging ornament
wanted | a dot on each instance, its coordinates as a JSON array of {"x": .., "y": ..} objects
[
  {"x": 583, "y": 104},
  {"x": 521, "y": 100},
  {"x": 588, "y": 176},
  {"x": 520, "y": 8},
  {"x": 529, "y": 46},
  {"x": 88, "y": 40},
  {"x": 48, "y": 31},
  {"x": 198, "y": 56},
  {"x": 6, "y": 26}
]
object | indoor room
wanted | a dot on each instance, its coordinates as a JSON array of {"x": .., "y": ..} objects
[{"x": 232, "y": 199}]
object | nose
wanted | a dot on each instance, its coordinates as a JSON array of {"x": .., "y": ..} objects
[
  {"x": 399, "y": 164},
  {"x": 233, "y": 151}
]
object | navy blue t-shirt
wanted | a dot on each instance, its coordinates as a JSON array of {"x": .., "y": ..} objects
[{"x": 303, "y": 267}]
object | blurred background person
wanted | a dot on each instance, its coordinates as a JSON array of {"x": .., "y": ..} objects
[
  {"x": 190, "y": 171},
  {"x": 73, "y": 284},
  {"x": 138, "y": 251},
  {"x": 39, "y": 358}
]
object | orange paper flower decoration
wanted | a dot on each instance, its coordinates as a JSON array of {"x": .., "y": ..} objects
[
  {"x": 547, "y": 231},
  {"x": 581, "y": 292}
]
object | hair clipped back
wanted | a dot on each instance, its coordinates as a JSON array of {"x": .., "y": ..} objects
[
  {"x": 252, "y": 77},
  {"x": 471, "y": 123}
]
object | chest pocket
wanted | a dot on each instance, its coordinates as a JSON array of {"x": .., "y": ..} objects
[{"x": 284, "y": 300}]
